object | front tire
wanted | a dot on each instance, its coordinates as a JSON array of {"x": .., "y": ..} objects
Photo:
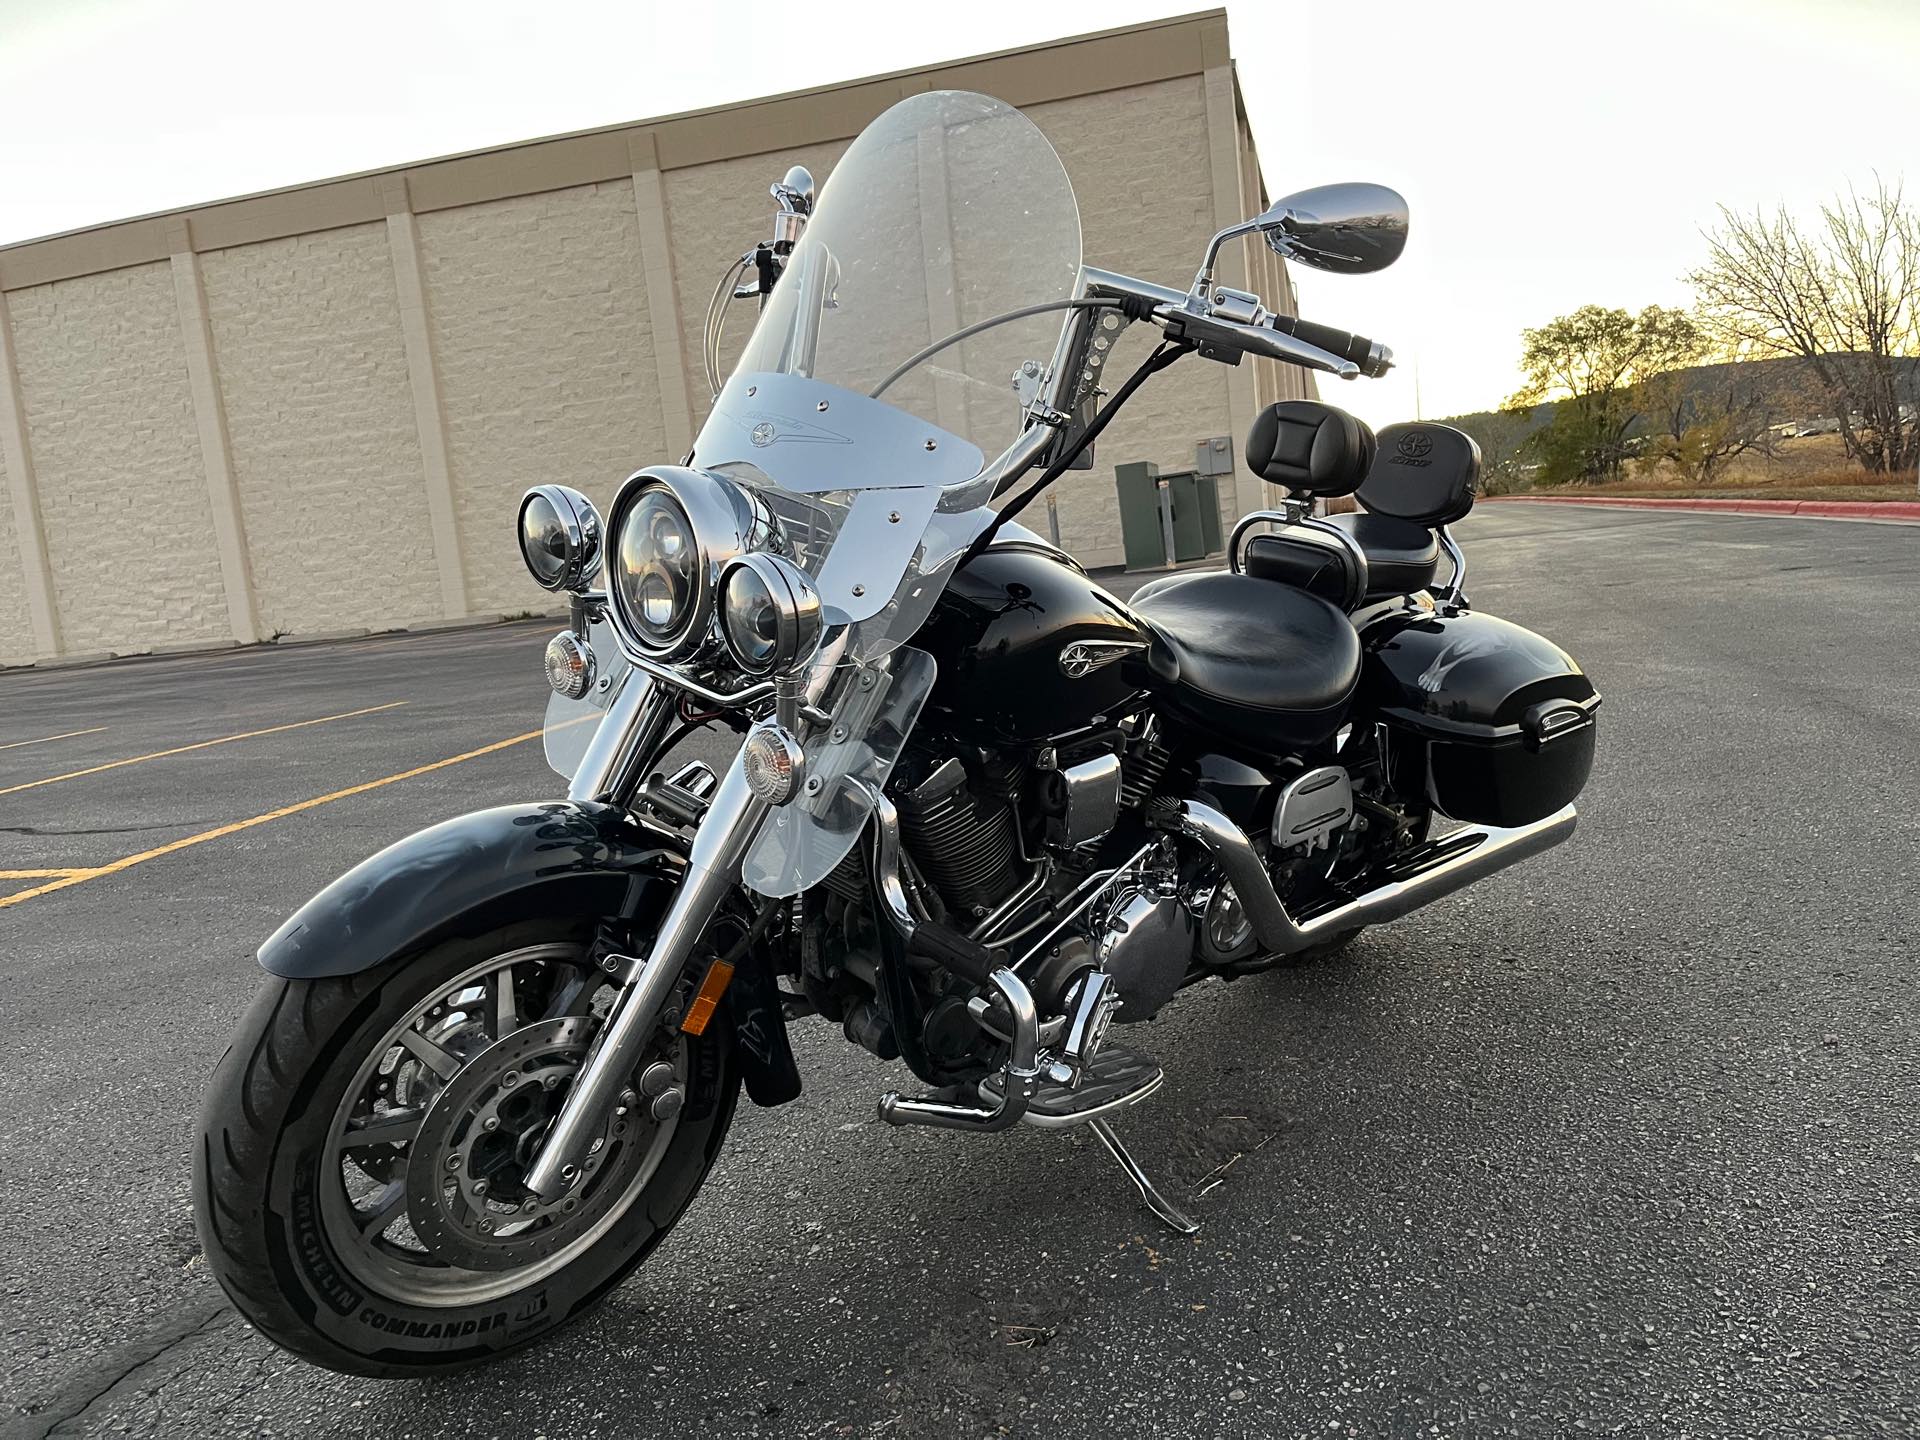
[{"x": 313, "y": 1101}]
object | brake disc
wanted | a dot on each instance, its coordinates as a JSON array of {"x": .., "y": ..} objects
[{"x": 466, "y": 1194}]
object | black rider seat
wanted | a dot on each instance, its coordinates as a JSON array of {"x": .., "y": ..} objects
[{"x": 1267, "y": 666}]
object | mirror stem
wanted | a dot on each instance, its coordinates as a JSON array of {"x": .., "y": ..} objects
[{"x": 1203, "y": 281}]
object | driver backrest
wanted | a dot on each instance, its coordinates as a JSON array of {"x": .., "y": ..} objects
[
  {"x": 1423, "y": 473},
  {"x": 1308, "y": 447}
]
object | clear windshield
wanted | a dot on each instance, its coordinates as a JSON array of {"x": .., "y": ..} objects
[
  {"x": 570, "y": 723},
  {"x": 949, "y": 210}
]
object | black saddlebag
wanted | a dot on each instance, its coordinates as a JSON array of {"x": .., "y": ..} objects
[{"x": 1492, "y": 724}]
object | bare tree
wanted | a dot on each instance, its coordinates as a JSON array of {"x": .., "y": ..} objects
[
  {"x": 1697, "y": 419},
  {"x": 1843, "y": 294},
  {"x": 1502, "y": 438}
]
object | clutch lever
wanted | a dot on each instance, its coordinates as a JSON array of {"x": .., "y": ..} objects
[{"x": 1218, "y": 338}]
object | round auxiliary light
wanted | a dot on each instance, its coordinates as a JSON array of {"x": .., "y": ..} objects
[
  {"x": 559, "y": 537},
  {"x": 769, "y": 614},
  {"x": 772, "y": 762},
  {"x": 570, "y": 667}
]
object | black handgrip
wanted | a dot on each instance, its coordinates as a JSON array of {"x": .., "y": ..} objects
[
  {"x": 1343, "y": 343},
  {"x": 969, "y": 959}
]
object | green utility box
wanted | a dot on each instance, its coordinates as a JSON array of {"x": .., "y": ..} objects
[{"x": 1195, "y": 503}]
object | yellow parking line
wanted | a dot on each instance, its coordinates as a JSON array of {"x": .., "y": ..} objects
[
  {"x": 128, "y": 862},
  {"x": 44, "y": 874},
  {"x": 64, "y": 735},
  {"x": 199, "y": 745}
]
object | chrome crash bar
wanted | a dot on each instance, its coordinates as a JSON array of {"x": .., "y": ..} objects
[
  {"x": 1021, "y": 1072},
  {"x": 1437, "y": 868}
]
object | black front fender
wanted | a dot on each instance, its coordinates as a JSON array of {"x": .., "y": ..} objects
[{"x": 490, "y": 868}]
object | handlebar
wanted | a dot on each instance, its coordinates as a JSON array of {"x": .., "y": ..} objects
[
  {"x": 1278, "y": 337},
  {"x": 1235, "y": 323},
  {"x": 1373, "y": 358}
]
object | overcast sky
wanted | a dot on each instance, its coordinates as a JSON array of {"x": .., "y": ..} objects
[{"x": 1554, "y": 153}]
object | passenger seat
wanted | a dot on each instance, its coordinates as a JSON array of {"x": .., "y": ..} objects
[{"x": 1418, "y": 478}]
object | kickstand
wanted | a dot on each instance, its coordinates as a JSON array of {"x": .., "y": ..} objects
[{"x": 1164, "y": 1209}]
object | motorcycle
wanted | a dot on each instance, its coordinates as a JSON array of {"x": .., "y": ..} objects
[{"x": 983, "y": 816}]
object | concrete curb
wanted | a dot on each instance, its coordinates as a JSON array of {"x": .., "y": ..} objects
[{"x": 1898, "y": 511}]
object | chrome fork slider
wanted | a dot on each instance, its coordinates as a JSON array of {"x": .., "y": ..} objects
[{"x": 727, "y": 828}]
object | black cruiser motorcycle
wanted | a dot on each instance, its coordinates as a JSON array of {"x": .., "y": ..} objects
[{"x": 981, "y": 814}]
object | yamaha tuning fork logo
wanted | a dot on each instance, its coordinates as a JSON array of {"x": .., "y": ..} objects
[{"x": 1414, "y": 447}]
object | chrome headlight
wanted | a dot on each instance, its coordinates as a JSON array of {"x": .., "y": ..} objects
[
  {"x": 769, "y": 614},
  {"x": 670, "y": 532},
  {"x": 559, "y": 537}
]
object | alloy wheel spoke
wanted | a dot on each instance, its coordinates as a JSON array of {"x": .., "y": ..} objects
[
  {"x": 506, "y": 1005},
  {"x": 395, "y": 1127},
  {"x": 388, "y": 1206},
  {"x": 573, "y": 995},
  {"x": 441, "y": 1061}
]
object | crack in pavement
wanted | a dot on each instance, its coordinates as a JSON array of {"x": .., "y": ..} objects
[
  {"x": 113, "y": 1369},
  {"x": 96, "y": 830}
]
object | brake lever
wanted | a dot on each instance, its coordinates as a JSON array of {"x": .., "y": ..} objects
[{"x": 1218, "y": 338}]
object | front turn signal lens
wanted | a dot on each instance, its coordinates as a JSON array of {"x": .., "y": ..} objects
[
  {"x": 569, "y": 664},
  {"x": 772, "y": 761}
]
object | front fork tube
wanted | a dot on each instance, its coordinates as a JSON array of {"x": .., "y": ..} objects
[
  {"x": 628, "y": 736},
  {"x": 719, "y": 845}
]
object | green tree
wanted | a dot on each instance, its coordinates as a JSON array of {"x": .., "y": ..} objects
[{"x": 1594, "y": 363}]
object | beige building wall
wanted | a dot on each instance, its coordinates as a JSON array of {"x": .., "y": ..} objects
[
  {"x": 313, "y": 375},
  {"x": 121, "y": 487},
  {"x": 16, "y": 622},
  {"x": 314, "y": 411},
  {"x": 546, "y": 369}
]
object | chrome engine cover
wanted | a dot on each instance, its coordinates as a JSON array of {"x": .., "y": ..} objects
[{"x": 1145, "y": 941}]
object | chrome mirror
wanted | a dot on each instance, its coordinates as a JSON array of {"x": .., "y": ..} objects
[{"x": 1349, "y": 229}]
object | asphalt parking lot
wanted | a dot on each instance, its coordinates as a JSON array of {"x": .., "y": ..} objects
[{"x": 1621, "y": 1142}]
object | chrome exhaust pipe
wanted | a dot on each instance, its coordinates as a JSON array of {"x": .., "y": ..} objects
[{"x": 1437, "y": 868}]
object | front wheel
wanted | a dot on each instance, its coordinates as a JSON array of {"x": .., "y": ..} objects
[{"x": 363, "y": 1141}]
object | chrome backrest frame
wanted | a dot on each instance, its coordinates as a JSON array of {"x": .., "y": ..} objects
[{"x": 1295, "y": 515}]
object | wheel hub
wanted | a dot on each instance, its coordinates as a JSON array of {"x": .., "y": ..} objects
[{"x": 467, "y": 1198}]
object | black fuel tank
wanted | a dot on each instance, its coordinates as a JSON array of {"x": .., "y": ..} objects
[{"x": 1005, "y": 635}]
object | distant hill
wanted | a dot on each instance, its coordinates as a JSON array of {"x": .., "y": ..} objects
[{"x": 1800, "y": 397}]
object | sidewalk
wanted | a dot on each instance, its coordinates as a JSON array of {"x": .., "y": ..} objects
[{"x": 1898, "y": 511}]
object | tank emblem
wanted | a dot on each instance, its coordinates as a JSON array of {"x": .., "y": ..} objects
[{"x": 1083, "y": 657}]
